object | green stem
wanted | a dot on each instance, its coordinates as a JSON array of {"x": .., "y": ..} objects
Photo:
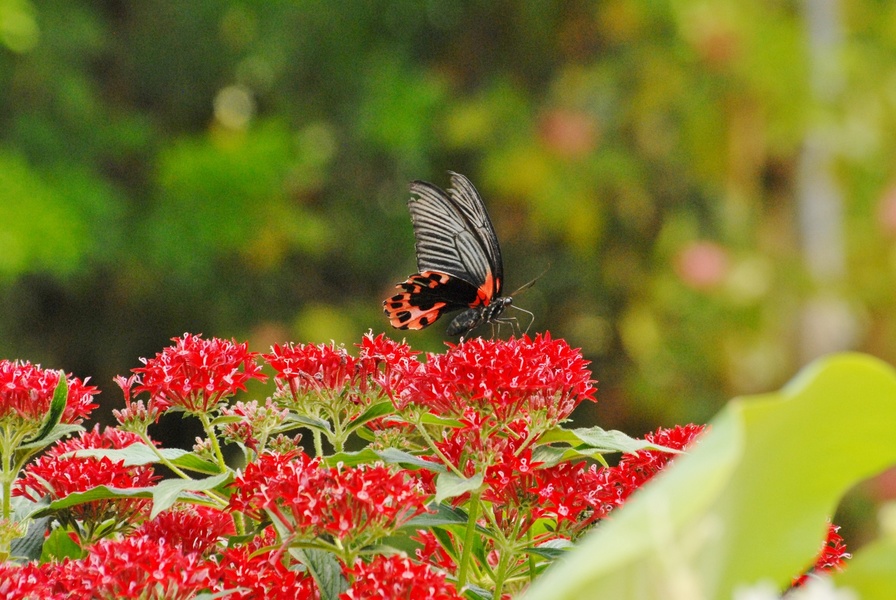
[
  {"x": 467, "y": 550},
  {"x": 421, "y": 429},
  {"x": 174, "y": 468},
  {"x": 318, "y": 443},
  {"x": 216, "y": 447},
  {"x": 7, "y": 476},
  {"x": 501, "y": 573},
  {"x": 531, "y": 556}
]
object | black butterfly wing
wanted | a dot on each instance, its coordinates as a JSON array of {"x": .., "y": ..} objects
[{"x": 455, "y": 235}]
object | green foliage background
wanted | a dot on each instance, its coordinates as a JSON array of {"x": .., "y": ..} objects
[{"x": 240, "y": 169}]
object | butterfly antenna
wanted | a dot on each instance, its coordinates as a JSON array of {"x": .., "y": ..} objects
[{"x": 526, "y": 286}]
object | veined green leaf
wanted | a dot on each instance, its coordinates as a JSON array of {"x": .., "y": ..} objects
[{"x": 750, "y": 501}]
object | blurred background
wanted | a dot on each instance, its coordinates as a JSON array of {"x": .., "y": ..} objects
[{"x": 711, "y": 186}]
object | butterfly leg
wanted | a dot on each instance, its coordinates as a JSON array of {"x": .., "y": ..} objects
[{"x": 531, "y": 318}]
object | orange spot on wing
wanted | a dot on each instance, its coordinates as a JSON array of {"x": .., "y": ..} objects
[{"x": 486, "y": 292}]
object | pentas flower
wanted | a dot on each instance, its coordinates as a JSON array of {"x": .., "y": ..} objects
[
  {"x": 197, "y": 374},
  {"x": 566, "y": 494},
  {"x": 26, "y": 391},
  {"x": 191, "y": 528},
  {"x": 260, "y": 573},
  {"x": 304, "y": 368},
  {"x": 386, "y": 361},
  {"x": 432, "y": 552},
  {"x": 398, "y": 577},
  {"x": 478, "y": 446},
  {"x": 832, "y": 557},
  {"x": 255, "y": 424},
  {"x": 137, "y": 416},
  {"x": 28, "y": 582},
  {"x": 59, "y": 473},
  {"x": 540, "y": 378},
  {"x": 617, "y": 483},
  {"x": 323, "y": 381},
  {"x": 136, "y": 567},
  {"x": 110, "y": 438},
  {"x": 354, "y": 505}
]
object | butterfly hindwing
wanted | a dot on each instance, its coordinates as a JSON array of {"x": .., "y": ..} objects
[{"x": 426, "y": 297}]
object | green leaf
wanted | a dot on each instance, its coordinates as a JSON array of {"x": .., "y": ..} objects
[
  {"x": 100, "y": 492},
  {"x": 374, "y": 411},
  {"x": 352, "y": 459},
  {"x": 58, "y": 545},
  {"x": 169, "y": 491},
  {"x": 325, "y": 569},
  {"x": 30, "y": 545},
  {"x": 871, "y": 573},
  {"x": 394, "y": 456},
  {"x": 547, "y": 552},
  {"x": 750, "y": 501},
  {"x": 444, "y": 514},
  {"x": 226, "y": 420},
  {"x": 54, "y": 414},
  {"x": 600, "y": 440},
  {"x": 164, "y": 494},
  {"x": 477, "y": 593},
  {"x": 431, "y": 419},
  {"x": 554, "y": 455},
  {"x": 449, "y": 485},
  {"x": 311, "y": 423},
  {"x": 56, "y": 433},
  {"x": 140, "y": 454}
]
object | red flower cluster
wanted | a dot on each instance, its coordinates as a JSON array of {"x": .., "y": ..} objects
[
  {"x": 254, "y": 422},
  {"x": 304, "y": 368},
  {"x": 192, "y": 528},
  {"x": 354, "y": 505},
  {"x": 398, "y": 577},
  {"x": 135, "y": 567},
  {"x": 386, "y": 361},
  {"x": 538, "y": 378},
  {"x": 30, "y": 581},
  {"x": 26, "y": 391},
  {"x": 617, "y": 483},
  {"x": 432, "y": 552},
  {"x": 197, "y": 374},
  {"x": 313, "y": 367},
  {"x": 57, "y": 475},
  {"x": 261, "y": 572},
  {"x": 833, "y": 555}
]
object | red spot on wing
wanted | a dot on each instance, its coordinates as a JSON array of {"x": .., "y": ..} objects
[
  {"x": 408, "y": 316},
  {"x": 431, "y": 279},
  {"x": 415, "y": 307}
]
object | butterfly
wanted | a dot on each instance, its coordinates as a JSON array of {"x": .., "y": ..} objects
[{"x": 458, "y": 259}]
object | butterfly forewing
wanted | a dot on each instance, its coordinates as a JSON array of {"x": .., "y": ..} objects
[
  {"x": 468, "y": 200},
  {"x": 454, "y": 234}
]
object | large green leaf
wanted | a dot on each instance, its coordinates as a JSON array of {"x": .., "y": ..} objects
[
  {"x": 164, "y": 494},
  {"x": 449, "y": 485},
  {"x": 140, "y": 454},
  {"x": 751, "y": 501}
]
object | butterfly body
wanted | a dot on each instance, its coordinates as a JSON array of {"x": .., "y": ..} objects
[
  {"x": 478, "y": 315},
  {"x": 458, "y": 259}
]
